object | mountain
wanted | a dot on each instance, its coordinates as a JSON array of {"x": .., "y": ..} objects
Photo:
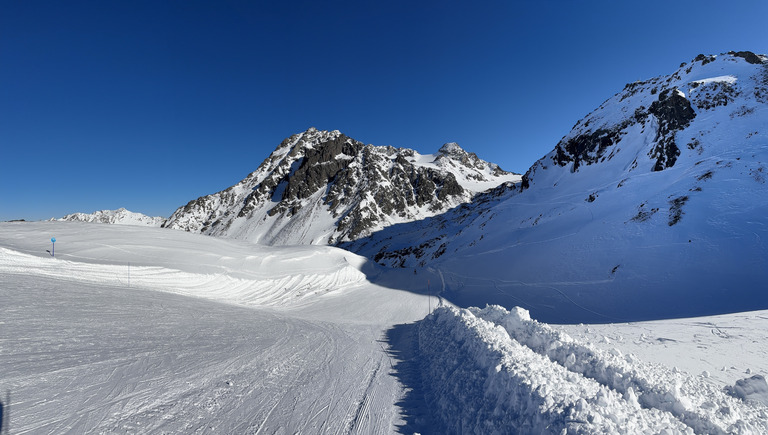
[
  {"x": 655, "y": 204},
  {"x": 120, "y": 216},
  {"x": 322, "y": 187}
]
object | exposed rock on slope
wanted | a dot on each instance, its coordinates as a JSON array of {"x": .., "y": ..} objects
[{"x": 323, "y": 187}]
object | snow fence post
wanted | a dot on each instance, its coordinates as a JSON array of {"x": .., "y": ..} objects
[{"x": 429, "y": 298}]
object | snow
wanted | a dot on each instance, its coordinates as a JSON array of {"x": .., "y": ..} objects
[
  {"x": 696, "y": 403},
  {"x": 133, "y": 329},
  {"x": 753, "y": 388},
  {"x": 496, "y": 371},
  {"x": 474, "y": 180},
  {"x": 730, "y": 79},
  {"x": 481, "y": 381}
]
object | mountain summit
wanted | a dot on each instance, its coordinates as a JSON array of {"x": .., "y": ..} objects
[{"x": 322, "y": 187}]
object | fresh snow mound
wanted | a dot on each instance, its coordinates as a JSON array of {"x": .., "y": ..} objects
[
  {"x": 753, "y": 388},
  {"x": 698, "y": 404},
  {"x": 495, "y": 371},
  {"x": 479, "y": 380}
]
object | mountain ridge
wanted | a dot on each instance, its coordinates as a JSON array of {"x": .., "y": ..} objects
[
  {"x": 322, "y": 187},
  {"x": 120, "y": 216}
]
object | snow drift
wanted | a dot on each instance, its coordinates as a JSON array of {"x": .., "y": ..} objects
[
  {"x": 224, "y": 270},
  {"x": 498, "y": 371},
  {"x": 120, "y": 216}
]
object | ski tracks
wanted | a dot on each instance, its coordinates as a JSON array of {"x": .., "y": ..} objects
[
  {"x": 512, "y": 372},
  {"x": 97, "y": 359}
]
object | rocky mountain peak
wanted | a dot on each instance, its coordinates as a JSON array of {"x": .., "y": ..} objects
[
  {"x": 451, "y": 148},
  {"x": 325, "y": 187}
]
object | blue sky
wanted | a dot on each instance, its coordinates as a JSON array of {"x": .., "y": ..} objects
[{"x": 149, "y": 104}]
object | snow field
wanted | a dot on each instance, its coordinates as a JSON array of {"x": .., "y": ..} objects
[
  {"x": 479, "y": 380},
  {"x": 95, "y": 341},
  {"x": 699, "y": 404}
]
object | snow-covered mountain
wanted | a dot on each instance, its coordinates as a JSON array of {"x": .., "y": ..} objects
[
  {"x": 322, "y": 187},
  {"x": 120, "y": 216},
  {"x": 657, "y": 195}
]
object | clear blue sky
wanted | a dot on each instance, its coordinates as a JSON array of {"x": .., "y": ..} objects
[{"x": 149, "y": 104}]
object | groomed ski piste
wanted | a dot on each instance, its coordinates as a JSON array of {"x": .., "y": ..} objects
[{"x": 147, "y": 330}]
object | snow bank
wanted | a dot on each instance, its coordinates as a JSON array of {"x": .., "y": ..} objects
[
  {"x": 698, "y": 404},
  {"x": 753, "y": 388},
  {"x": 281, "y": 289},
  {"x": 178, "y": 262},
  {"x": 477, "y": 379}
]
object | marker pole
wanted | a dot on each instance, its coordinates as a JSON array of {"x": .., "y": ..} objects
[{"x": 429, "y": 297}]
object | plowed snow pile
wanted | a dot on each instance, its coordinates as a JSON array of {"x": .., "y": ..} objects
[{"x": 498, "y": 371}]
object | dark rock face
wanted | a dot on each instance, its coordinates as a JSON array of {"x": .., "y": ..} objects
[
  {"x": 674, "y": 113},
  {"x": 591, "y": 147},
  {"x": 748, "y": 56},
  {"x": 714, "y": 94},
  {"x": 586, "y": 148},
  {"x": 676, "y": 209},
  {"x": 704, "y": 59},
  {"x": 348, "y": 169}
]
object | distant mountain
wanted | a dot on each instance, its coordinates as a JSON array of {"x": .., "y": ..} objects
[
  {"x": 120, "y": 216},
  {"x": 322, "y": 187},
  {"x": 658, "y": 195}
]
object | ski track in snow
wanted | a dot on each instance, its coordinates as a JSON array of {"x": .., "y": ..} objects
[{"x": 79, "y": 357}]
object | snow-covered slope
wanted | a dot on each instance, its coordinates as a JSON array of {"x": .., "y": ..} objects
[
  {"x": 322, "y": 187},
  {"x": 124, "y": 331},
  {"x": 657, "y": 199},
  {"x": 120, "y": 216}
]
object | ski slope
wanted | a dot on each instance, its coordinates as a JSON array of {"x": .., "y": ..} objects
[
  {"x": 148, "y": 330},
  {"x": 142, "y": 330}
]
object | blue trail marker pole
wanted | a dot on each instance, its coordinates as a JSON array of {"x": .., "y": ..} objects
[{"x": 53, "y": 246}]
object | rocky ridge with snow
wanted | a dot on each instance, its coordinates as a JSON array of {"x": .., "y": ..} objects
[
  {"x": 120, "y": 216},
  {"x": 322, "y": 187}
]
